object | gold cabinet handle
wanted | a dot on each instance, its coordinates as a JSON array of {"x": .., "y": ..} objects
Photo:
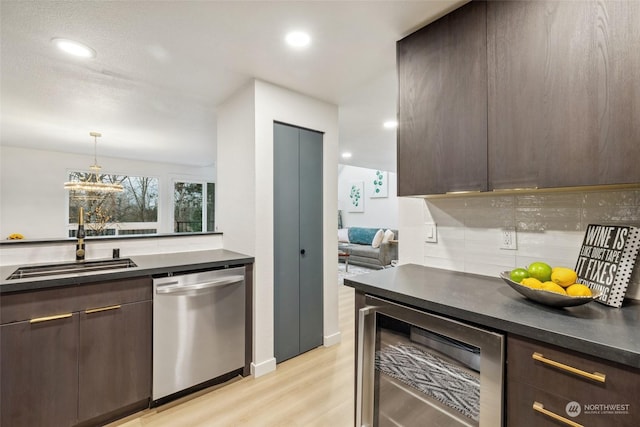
[
  {"x": 97, "y": 310},
  {"x": 596, "y": 376},
  {"x": 47, "y": 318},
  {"x": 537, "y": 406}
]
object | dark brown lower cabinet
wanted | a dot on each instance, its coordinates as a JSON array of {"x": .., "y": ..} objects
[
  {"x": 580, "y": 408},
  {"x": 76, "y": 355},
  {"x": 551, "y": 386},
  {"x": 115, "y": 353},
  {"x": 39, "y": 373}
]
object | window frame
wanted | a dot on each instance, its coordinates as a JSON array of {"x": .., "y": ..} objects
[
  {"x": 205, "y": 191},
  {"x": 118, "y": 226}
]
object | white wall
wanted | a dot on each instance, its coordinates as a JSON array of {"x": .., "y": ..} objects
[
  {"x": 236, "y": 192},
  {"x": 20, "y": 254},
  {"x": 549, "y": 227},
  {"x": 33, "y": 201},
  {"x": 248, "y": 225},
  {"x": 378, "y": 212}
]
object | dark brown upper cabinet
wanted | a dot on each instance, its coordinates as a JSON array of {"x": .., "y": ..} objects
[
  {"x": 521, "y": 94},
  {"x": 442, "y": 107},
  {"x": 564, "y": 93}
]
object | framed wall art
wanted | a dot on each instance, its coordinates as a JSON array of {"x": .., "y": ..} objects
[
  {"x": 380, "y": 184},
  {"x": 356, "y": 197}
]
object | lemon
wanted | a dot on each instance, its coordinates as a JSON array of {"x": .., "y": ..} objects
[
  {"x": 553, "y": 287},
  {"x": 564, "y": 276},
  {"x": 531, "y": 282},
  {"x": 579, "y": 290}
]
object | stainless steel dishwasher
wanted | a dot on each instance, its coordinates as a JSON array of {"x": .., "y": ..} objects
[{"x": 198, "y": 330}]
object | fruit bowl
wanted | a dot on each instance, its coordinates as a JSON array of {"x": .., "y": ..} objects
[{"x": 548, "y": 298}]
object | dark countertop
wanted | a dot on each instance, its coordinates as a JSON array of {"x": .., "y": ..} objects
[
  {"x": 146, "y": 265},
  {"x": 594, "y": 329}
]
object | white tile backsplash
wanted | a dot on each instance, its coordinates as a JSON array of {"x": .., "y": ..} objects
[
  {"x": 445, "y": 263},
  {"x": 611, "y": 198},
  {"x": 549, "y": 226},
  {"x": 560, "y": 200}
]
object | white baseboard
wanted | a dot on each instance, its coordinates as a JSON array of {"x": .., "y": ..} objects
[
  {"x": 332, "y": 339},
  {"x": 263, "y": 368}
]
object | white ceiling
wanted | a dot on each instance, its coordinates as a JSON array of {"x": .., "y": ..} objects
[{"x": 162, "y": 67}]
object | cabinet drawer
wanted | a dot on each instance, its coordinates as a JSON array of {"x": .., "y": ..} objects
[
  {"x": 68, "y": 299},
  {"x": 585, "y": 410},
  {"x": 620, "y": 382}
]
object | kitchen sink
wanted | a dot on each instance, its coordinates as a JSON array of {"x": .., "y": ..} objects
[{"x": 70, "y": 268}]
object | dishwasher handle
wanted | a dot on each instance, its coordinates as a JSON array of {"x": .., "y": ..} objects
[{"x": 176, "y": 287}]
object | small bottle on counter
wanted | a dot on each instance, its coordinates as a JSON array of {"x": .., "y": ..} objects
[{"x": 80, "y": 235}]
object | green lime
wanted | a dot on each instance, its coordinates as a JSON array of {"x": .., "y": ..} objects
[
  {"x": 540, "y": 270},
  {"x": 517, "y": 274}
]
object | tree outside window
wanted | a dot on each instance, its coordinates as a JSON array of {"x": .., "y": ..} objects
[
  {"x": 133, "y": 211},
  {"x": 211, "y": 200},
  {"x": 193, "y": 207}
]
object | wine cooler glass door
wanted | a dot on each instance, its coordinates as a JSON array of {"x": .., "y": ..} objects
[{"x": 419, "y": 369}]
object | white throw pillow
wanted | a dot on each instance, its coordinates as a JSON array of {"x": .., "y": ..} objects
[
  {"x": 377, "y": 239},
  {"x": 388, "y": 235},
  {"x": 343, "y": 235}
]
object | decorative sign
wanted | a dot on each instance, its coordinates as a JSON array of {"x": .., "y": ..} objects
[
  {"x": 606, "y": 260},
  {"x": 356, "y": 197},
  {"x": 380, "y": 184}
]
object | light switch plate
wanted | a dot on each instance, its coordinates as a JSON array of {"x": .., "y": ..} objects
[{"x": 430, "y": 233}]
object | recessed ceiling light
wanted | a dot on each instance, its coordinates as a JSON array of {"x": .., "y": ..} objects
[
  {"x": 298, "y": 39},
  {"x": 346, "y": 155},
  {"x": 74, "y": 48},
  {"x": 391, "y": 124}
]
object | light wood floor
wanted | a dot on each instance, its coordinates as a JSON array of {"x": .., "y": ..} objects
[{"x": 313, "y": 389}]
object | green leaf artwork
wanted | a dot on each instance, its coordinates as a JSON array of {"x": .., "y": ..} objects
[
  {"x": 379, "y": 184},
  {"x": 355, "y": 195}
]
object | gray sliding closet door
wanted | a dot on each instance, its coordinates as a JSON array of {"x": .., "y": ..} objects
[
  {"x": 286, "y": 195},
  {"x": 311, "y": 301},
  {"x": 297, "y": 240}
]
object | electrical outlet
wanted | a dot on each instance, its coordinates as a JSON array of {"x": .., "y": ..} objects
[
  {"x": 430, "y": 233},
  {"x": 508, "y": 239}
]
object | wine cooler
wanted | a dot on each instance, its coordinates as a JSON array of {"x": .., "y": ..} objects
[{"x": 421, "y": 369}]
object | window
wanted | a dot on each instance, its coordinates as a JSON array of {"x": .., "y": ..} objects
[
  {"x": 211, "y": 197},
  {"x": 133, "y": 211},
  {"x": 194, "y": 207}
]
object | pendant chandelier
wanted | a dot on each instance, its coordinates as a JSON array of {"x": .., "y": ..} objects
[{"x": 92, "y": 184}]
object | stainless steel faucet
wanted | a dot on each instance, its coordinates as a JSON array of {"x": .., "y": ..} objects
[{"x": 80, "y": 236}]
